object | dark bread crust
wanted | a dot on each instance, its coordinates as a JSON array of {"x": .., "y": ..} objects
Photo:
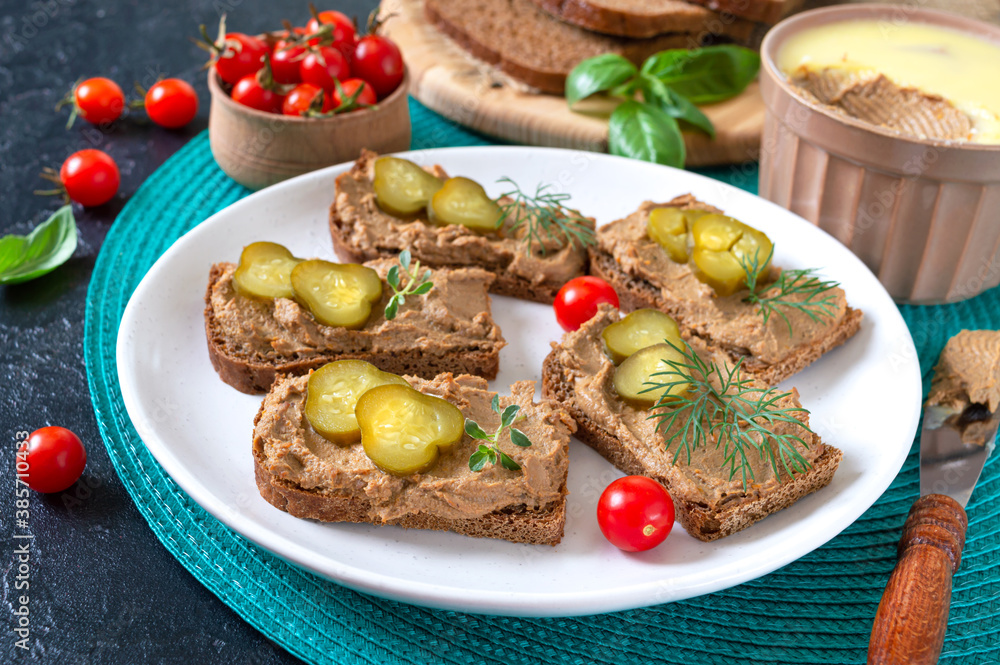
[
  {"x": 698, "y": 519},
  {"x": 636, "y": 294},
  {"x": 254, "y": 375},
  {"x": 519, "y": 525}
]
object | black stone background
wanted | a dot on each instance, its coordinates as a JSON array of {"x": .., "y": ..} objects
[{"x": 103, "y": 589}]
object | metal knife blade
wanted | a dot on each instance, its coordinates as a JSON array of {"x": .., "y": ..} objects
[{"x": 949, "y": 465}]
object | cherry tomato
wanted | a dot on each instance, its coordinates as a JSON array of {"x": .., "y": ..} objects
[
  {"x": 90, "y": 177},
  {"x": 351, "y": 86},
  {"x": 378, "y": 61},
  {"x": 249, "y": 92},
  {"x": 99, "y": 100},
  {"x": 242, "y": 55},
  {"x": 300, "y": 99},
  {"x": 577, "y": 301},
  {"x": 55, "y": 457},
  {"x": 635, "y": 513},
  {"x": 171, "y": 103},
  {"x": 323, "y": 66},
  {"x": 285, "y": 61},
  {"x": 343, "y": 28}
]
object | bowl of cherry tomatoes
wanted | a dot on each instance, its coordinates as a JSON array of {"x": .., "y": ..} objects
[{"x": 303, "y": 98}]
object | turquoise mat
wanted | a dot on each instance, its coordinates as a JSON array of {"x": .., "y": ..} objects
[{"x": 816, "y": 610}]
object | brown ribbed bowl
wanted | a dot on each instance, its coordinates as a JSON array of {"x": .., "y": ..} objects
[
  {"x": 923, "y": 214},
  {"x": 257, "y": 149}
]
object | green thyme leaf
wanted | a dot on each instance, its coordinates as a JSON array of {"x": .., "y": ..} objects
[
  {"x": 414, "y": 285},
  {"x": 495, "y": 404},
  {"x": 473, "y": 429},
  {"x": 477, "y": 460},
  {"x": 492, "y": 451},
  {"x": 519, "y": 438},
  {"x": 404, "y": 259},
  {"x": 508, "y": 463},
  {"x": 508, "y": 416},
  {"x": 47, "y": 247},
  {"x": 392, "y": 308}
]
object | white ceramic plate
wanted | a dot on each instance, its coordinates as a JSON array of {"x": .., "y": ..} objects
[{"x": 864, "y": 397}]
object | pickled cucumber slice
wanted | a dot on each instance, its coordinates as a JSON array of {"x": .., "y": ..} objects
[
  {"x": 333, "y": 392},
  {"x": 721, "y": 246},
  {"x": 337, "y": 294},
  {"x": 641, "y": 328},
  {"x": 631, "y": 376},
  {"x": 670, "y": 228},
  {"x": 265, "y": 271},
  {"x": 463, "y": 201},
  {"x": 404, "y": 431},
  {"x": 402, "y": 188}
]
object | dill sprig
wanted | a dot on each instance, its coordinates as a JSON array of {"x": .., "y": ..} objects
[
  {"x": 544, "y": 213},
  {"x": 415, "y": 285},
  {"x": 491, "y": 453},
  {"x": 731, "y": 411},
  {"x": 797, "y": 290}
]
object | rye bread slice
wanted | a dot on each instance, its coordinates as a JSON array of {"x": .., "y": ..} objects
[
  {"x": 764, "y": 11},
  {"x": 534, "y": 47},
  {"x": 542, "y": 525},
  {"x": 698, "y": 519},
  {"x": 252, "y": 372},
  {"x": 641, "y": 19}
]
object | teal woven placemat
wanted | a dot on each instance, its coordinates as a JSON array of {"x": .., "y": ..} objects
[{"x": 816, "y": 610}]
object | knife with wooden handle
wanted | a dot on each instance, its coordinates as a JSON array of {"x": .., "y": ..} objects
[{"x": 913, "y": 614}]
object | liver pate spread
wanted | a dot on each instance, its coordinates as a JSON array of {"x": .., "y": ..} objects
[
  {"x": 966, "y": 382},
  {"x": 728, "y": 321},
  {"x": 293, "y": 451},
  {"x": 704, "y": 479},
  {"x": 454, "y": 316},
  {"x": 370, "y": 232}
]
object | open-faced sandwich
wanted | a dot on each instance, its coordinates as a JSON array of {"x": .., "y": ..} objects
[
  {"x": 530, "y": 242},
  {"x": 729, "y": 449},
  {"x": 350, "y": 443},
  {"x": 713, "y": 275},
  {"x": 274, "y": 313}
]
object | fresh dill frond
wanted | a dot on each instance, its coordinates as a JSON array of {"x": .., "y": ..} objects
[
  {"x": 797, "y": 290},
  {"x": 544, "y": 216},
  {"x": 732, "y": 410}
]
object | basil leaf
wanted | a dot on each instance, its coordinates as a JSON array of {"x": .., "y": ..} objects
[
  {"x": 597, "y": 74},
  {"x": 676, "y": 106},
  {"x": 508, "y": 463},
  {"x": 43, "y": 250},
  {"x": 642, "y": 131},
  {"x": 705, "y": 75},
  {"x": 508, "y": 415},
  {"x": 519, "y": 438},
  {"x": 473, "y": 429}
]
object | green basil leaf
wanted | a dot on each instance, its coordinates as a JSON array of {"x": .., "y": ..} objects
[
  {"x": 642, "y": 131},
  {"x": 43, "y": 250},
  {"x": 676, "y": 106},
  {"x": 705, "y": 75},
  {"x": 473, "y": 429},
  {"x": 597, "y": 74},
  {"x": 477, "y": 460},
  {"x": 508, "y": 463},
  {"x": 519, "y": 438}
]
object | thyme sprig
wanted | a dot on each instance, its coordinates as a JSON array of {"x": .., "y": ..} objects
[
  {"x": 491, "y": 453},
  {"x": 797, "y": 290},
  {"x": 415, "y": 284},
  {"x": 544, "y": 213},
  {"x": 732, "y": 411}
]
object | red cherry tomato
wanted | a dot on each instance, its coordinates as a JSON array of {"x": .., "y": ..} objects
[
  {"x": 323, "y": 66},
  {"x": 343, "y": 28},
  {"x": 285, "y": 62},
  {"x": 378, "y": 61},
  {"x": 365, "y": 98},
  {"x": 171, "y": 103},
  {"x": 249, "y": 92},
  {"x": 243, "y": 55},
  {"x": 300, "y": 99},
  {"x": 90, "y": 177},
  {"x": 99, "y": 100},
  {"x": 635, "y": 513},
  {"x": 55, "y": 458},
  {"x": 577, "y": 301}
]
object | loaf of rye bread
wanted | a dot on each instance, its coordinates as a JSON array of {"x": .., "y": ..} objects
[
  {"x": 536, "y": 48},
  {"x": 642, "y": 19},
  {"x": 251, "y": 367},
  {"x": 539, "y": 525},
  {"x": 699, "y": 519},
  {"x": 635, "y": 292}
]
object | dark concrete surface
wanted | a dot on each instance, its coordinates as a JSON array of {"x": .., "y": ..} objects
[{"x": 102, "y": 588}]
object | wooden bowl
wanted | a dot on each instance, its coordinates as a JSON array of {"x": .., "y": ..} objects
[{"x": 258, "y": 149}]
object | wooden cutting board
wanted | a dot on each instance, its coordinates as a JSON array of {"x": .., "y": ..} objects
[{"x": 470, "y": 92}]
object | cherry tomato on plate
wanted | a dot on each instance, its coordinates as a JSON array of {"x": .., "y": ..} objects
[
  {"x": 171, "y": 103},
  {"x": 635, "y": 513},
  {"x": 90, "y": 177},
  {"x": 378, "y": 61},
  {"x": 324, "y": 65},
  {"x": 239, "y": 56},
  {"x": 343, "y": 33},
  {"x": 55, "y": 457},
  {"x": 301, "y": 98},
  {"x": 577, "y": 301},
  {"x": 97, "y": 100},
  {"x": 349, "y": 88}
]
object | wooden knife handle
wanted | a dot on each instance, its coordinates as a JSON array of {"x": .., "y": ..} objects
[{"x": 913, "y": 614}]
